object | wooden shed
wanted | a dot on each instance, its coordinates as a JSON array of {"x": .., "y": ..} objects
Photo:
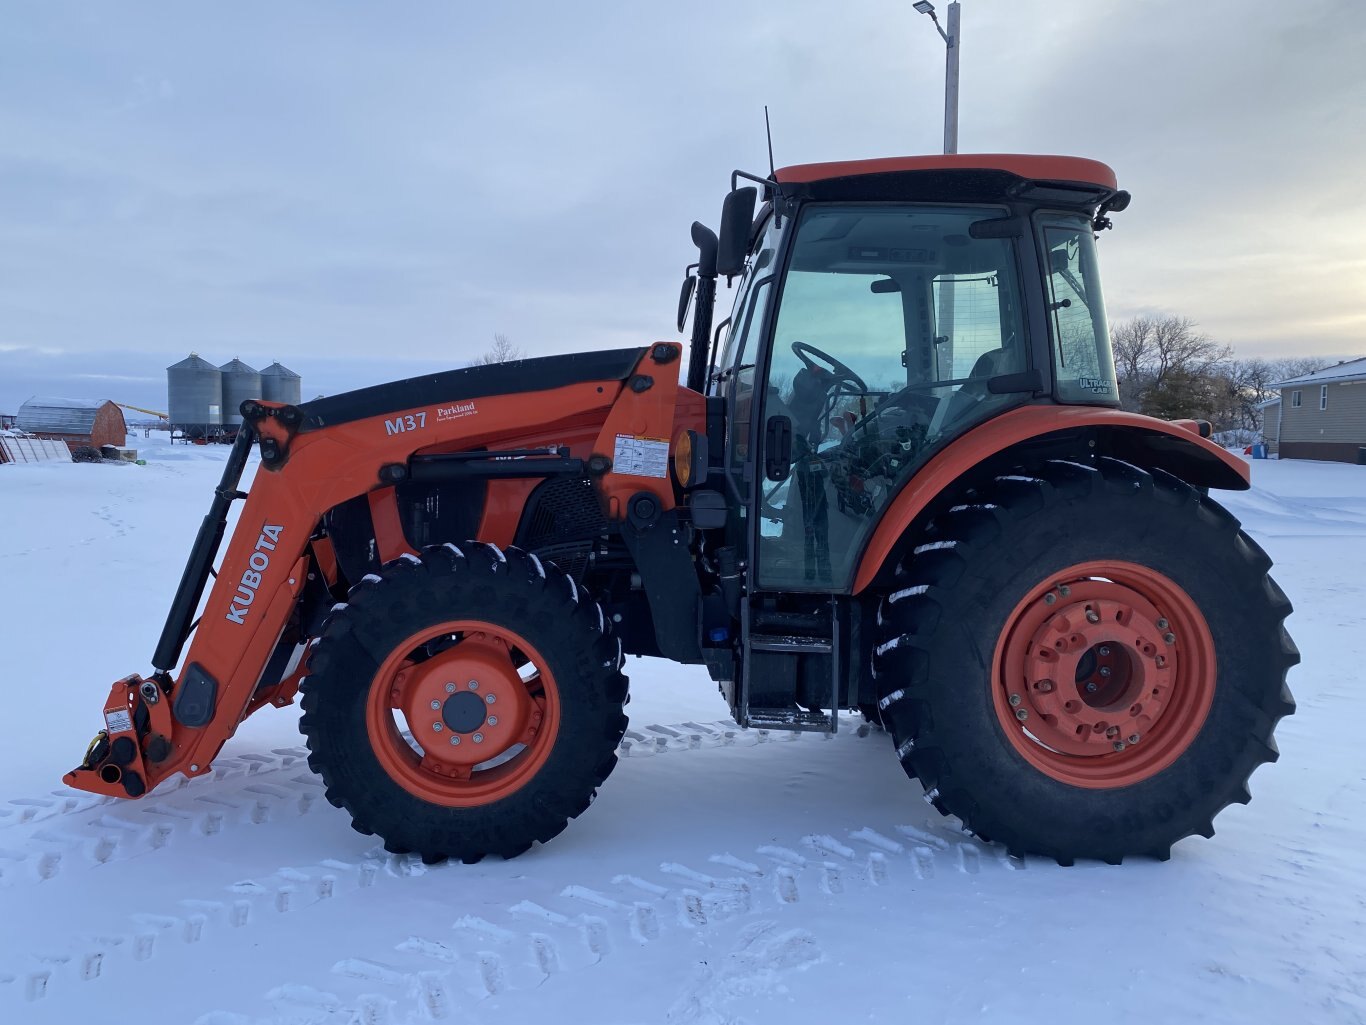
[{"x": 77, "y": 422}]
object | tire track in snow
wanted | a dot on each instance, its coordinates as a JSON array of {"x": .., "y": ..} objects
[
  {"x": 44, "y": 840},
  {"x": 437, "y": 976},
  {"x": 66, "y": 830}
]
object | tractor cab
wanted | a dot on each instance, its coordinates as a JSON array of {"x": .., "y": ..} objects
[{"x": 883, "y": 310}]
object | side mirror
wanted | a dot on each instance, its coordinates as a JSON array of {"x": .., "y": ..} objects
[
  {"x": 685, "y": 297},
  {"x": 737, "y": 217}
]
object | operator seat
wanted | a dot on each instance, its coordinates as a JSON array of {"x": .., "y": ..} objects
[{"x": 964, "y": 399}]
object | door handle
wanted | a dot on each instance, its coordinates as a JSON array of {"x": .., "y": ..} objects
[{"x": 778, "y": 448}]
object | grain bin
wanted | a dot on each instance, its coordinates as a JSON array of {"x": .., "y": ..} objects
[
  {"x": 195, "y": 392},
  {"x": 280, "y": 384},
  {"x": 240, "y": 382}
]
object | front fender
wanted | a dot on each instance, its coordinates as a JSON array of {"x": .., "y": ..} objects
[{"x": 1175, "y": 447}]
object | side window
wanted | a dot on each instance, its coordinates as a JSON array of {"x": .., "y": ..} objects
[
  {"x": 745, "y": 340},
  {"x": 1296, "y": 399},
  {"x": 1082, "y": 359},
  {"x": 1323, "y": 396}
]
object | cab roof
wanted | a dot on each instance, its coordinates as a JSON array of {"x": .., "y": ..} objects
[{"x": 1035, "y": 167}]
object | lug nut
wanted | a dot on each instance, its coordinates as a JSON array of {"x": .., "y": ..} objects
[
  {"x": 1104, "y": 670},
  {"x": 1065, "y": 591},
  {"x": 490, "y": 698},
  {"x": 1162, "y": 624},
  {"x": 1169, "y": 638},
  {"x": 1134, "y": 738},
  {"x": 450, "y": 688},
  {"x": 455, "y": 741},
  {"x": 1105, "y": 649},
  {"x": 435, "y": 705},
  {"x": 1161, "y": 661},
  {"x": 1091, "y": 687},
  {"x": 1021, "y": 714},
  {"x": 437, "y": 727},
  {"x": 1014, "y": 700},
  {"x": 1092, "y": 616},
  {"x": 493, "y": 720},
  {"x": 1050, "y": 598},
  {"x": 478, "y": 738},
  {"x": 1112, "y": 732},
  {"x": 1044, "y": 686},
  {"x": 473, "y": 685},
  {"x": 1119, "y": 745}
]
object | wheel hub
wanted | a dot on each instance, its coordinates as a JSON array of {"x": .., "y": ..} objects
[
  {"x": 1104, "y": 675},
  {"x": 466, "y": 705},
  {"x": 1099, "y": 670},
  {"x": 464, "y": 712}
]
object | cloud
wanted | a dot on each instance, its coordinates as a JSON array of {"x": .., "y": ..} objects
[{"x": 321, "y": 183}]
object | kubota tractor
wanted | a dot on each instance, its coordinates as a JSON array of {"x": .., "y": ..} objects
[{"x": 897, "y": 480}]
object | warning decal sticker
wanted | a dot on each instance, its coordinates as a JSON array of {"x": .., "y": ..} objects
[
  {"x": 641, "y": 457},
  {"x": 117, "y": 720}
]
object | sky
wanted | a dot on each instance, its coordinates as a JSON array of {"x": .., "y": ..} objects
[{"x": 368, "y": 191}]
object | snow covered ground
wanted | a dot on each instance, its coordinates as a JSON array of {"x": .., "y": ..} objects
[{"x": 723, "y": 875}]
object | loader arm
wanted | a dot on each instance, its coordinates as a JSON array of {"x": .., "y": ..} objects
[{"x": 313, "y": 458}]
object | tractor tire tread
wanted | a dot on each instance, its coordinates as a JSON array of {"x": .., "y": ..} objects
[
  {"x": 928, "y": 602},
  {"x": 473, "y": 580}
]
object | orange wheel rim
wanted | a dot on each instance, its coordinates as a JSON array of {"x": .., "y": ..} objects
[
  {"x": 1104, "y": 674},
  {"x": 463, "y": 713}
]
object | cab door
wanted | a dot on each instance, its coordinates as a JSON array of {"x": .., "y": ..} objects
[{"x": 890, "y": 321}]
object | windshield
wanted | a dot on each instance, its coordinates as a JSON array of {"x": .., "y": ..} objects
[{"x": 1083, "y": 361}]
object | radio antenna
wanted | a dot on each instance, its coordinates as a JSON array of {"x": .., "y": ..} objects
[{"x": 768, "y": 130}]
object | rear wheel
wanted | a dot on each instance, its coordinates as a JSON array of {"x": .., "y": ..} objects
[
  {"x": 464, "y": 704},
  {"x": 1085, "y": 662}
]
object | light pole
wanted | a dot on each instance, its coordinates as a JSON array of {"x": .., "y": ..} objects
[{"x": 952, "y": 39}]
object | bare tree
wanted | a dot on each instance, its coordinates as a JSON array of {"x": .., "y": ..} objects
[
  {"x": 503, "y": 351},
  {"x": 1253, "y": 382},
  {"x": 1166, "y": 367},
  {"x": 1289, "y": 367}
]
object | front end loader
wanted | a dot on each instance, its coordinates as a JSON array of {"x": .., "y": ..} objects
[{"x": 895, "y": 481}]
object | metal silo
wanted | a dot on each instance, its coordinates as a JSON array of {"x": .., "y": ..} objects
[
  {"x": 280, "y": 384},
  {"x": 240, "y": 382},
  {"x": 195, "y": 392}
]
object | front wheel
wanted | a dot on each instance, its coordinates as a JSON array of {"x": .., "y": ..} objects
[
  {"x": 1085, "y": 662},
  {"x": 465, "y": 703}
]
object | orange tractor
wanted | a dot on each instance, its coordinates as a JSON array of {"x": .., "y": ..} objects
[{"x": 896, "y": 480}]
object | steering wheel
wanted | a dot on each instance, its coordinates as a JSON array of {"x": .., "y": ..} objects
[{"x": 805, "y": 352}]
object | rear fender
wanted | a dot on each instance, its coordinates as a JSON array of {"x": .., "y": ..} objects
[{"x": 1032, "y": 433}]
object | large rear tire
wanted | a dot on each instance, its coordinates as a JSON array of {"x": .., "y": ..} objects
[
  {"x": 465, "y": 703},
  {"x": 1085, "y": 662}
]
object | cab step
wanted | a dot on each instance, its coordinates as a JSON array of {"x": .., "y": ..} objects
[{"x": 791, "y": 719}]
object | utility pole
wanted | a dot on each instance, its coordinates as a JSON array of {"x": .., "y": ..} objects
[
  {"x": 953, "y": 39},
  {"x": 943, "y": 343}
]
